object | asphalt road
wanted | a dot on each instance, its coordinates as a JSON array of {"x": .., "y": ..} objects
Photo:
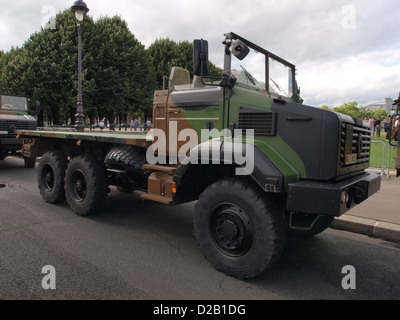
[{"x": 147, "y": 251}]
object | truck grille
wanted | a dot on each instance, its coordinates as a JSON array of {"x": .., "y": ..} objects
[
  {"x": 11, "y": 125},
  {"x": 262, "y": 122},
  {"x": 355, "y": 146}
]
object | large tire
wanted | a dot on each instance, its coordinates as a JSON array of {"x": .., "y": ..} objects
[
  {"x": 51, "y": 174},
  {"x": 85, "y": 184},
  {"x": 238, "y": 228},
  {"x": 130, "y": 159}
]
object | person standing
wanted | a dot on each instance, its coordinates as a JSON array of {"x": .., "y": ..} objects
[
  {"x": 135, "y": 124},
  {"x": 148, "y": 124},
  {"x": 395, "y": 134},
  {"x": 378, "y": 127},
  {"x": 101, "y": 125},
  {"x": 371, "y": 125},
  {"x": 387, "y": 125}
]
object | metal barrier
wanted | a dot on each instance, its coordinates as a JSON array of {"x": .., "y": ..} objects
[{"x": 378, "y": 159}]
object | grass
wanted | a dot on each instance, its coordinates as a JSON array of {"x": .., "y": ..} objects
[{"x": 376, "y": 158}]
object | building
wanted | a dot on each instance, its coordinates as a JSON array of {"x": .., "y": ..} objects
[{"x": 386, "y": 104}]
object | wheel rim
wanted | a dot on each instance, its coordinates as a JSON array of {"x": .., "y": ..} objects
[
  {"x": 231, "y": 229},
  {"x": 48, "y": 179},
  {"x": 78, "y": 186}
]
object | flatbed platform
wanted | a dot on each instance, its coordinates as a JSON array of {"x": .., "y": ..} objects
[{"x": 135, "y": 139}]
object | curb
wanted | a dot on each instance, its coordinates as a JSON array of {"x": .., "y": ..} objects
[{"x": 373, "y": 228}]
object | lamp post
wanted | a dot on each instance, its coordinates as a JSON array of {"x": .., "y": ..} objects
[{"x": 80, "y": 9}]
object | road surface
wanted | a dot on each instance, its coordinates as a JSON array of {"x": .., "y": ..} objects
[{"x": 147, "y": 251}]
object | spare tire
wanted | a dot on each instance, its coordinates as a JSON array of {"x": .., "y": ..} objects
[{"x": 130, "y": 159}]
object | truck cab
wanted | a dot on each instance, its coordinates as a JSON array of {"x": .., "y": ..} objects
[{"x": 14, "y": 115}]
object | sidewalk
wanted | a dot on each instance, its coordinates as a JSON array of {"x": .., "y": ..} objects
[{"x": 378, "y": 216}]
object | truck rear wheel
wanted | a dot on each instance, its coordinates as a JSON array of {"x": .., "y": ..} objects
[
  {"x": 240, "y": 230},
  {"x": 51, "y": 174},
  {"x": 85, "y": 184}
]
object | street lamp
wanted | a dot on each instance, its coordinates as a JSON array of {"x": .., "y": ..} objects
[{"x": 80, "y": 9}]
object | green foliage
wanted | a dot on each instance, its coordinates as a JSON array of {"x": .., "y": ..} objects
[
  {"x": 119, "y": 74},
  {"x": 167, "y": 53},
  {"x": 298, "y": 99},
  {"x": 352, "y": 109},
  {"x": 349, "y": 109}
]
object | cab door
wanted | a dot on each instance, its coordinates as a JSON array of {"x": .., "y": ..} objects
[{"x": 191, "y": 107}]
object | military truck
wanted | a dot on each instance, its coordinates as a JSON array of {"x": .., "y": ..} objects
[
  {"x": 258, "y": 164},
  {"x": 15, "y": 115}
]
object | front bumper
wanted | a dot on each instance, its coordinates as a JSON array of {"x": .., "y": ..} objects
[
  {"x": 333, "y": 199},
  {"x": 10, "y": 143}
]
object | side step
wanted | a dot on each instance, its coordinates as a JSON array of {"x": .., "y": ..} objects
[
  {"x": 156, "y": 198},
  {"x": 160, "y": 183},
  {"x": 157, "y": 167}
]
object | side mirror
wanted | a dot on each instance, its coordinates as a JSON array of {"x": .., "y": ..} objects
[
  {"x": 200, "y": 58},
  {"x": 239, "y": 49}
]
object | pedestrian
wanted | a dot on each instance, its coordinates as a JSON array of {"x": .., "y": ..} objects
[
  {"x": 131, "y": 126},
  {"x": 148, "y": 124},
  {"x": 101, "y": 125},
  {"x": 395, "y": 134},
  {"x": 135, "y": 124},
  {"x": 387, "y": 124},
  {"x": 371, "y": 125},
  {"x": 378, "y": 127}
]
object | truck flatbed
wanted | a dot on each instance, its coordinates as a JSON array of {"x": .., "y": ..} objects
[{"x": 133, "y": 139}]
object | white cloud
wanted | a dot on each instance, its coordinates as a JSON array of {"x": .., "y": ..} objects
[{"x": 362, "y": 78}]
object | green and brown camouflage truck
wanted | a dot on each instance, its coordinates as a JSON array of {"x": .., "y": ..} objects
[
  {"x": 14, "y": 115},
  {"x": 258, "y": 164}
]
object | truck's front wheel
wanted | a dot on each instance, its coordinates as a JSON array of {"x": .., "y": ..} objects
[
  {"x": 240, "y": 230},
  {"x": 85, "y": 184}
]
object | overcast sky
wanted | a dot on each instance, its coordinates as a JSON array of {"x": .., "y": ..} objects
[{"x": 344, "y": 50}]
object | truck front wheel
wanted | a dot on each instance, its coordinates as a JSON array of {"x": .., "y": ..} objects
[
  {"x": 238, "y": 228},
  {"x": 51, "y": 174},
  {"x": 85, "y": 184}
]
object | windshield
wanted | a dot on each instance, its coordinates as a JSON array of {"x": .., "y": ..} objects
[
  {"x": 14, "y": 103},
  {"x": 260, "y": 71},
  {"x": 251, "y": 70}
]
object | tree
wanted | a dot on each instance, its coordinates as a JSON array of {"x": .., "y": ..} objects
[
  {"x": 166, "y": 54},
  {"x": 349, "y": 109},
  {"x": 380, "y": 113},
  {"x": 45, "y": 68},
  {"x": 118, "y": 76},
  {"x": 122, "y": 71},
  {"x": 325, "y": 107}
]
